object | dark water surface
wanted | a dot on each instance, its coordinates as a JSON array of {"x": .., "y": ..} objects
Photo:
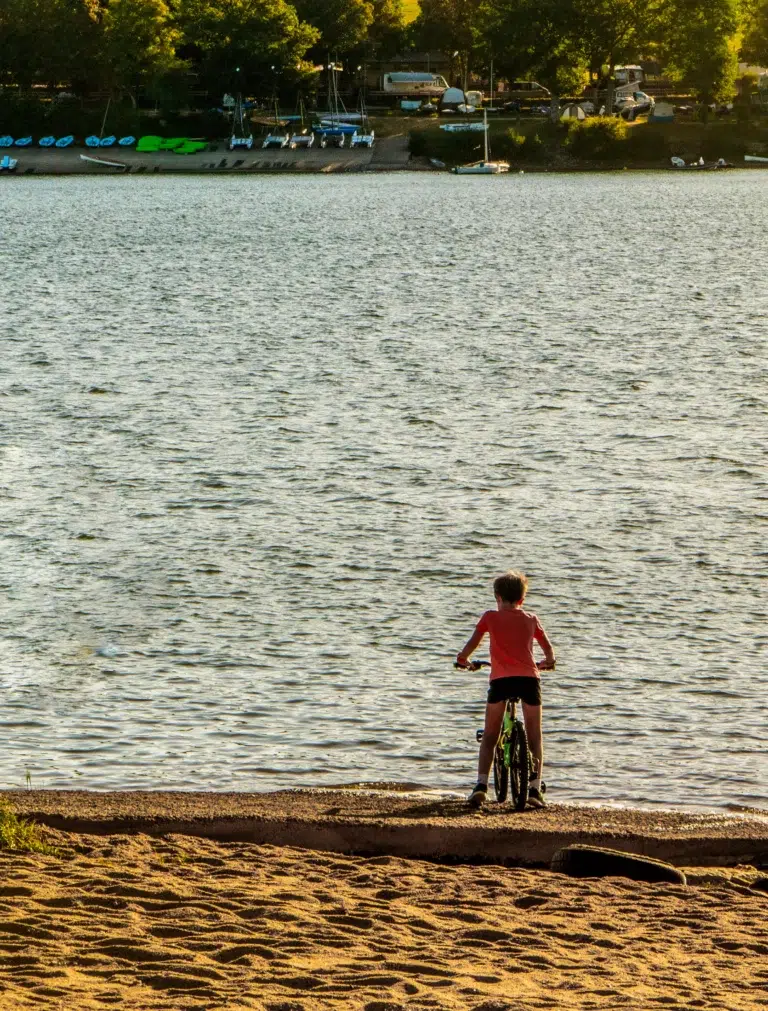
[{"x": 264, "y": 442}]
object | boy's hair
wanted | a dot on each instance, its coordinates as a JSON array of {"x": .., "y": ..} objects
[{"x": 511, "y": 587}]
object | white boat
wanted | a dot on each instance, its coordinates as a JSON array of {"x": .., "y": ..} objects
[
  {"x": 276, "y": 140},
  {"x": 462, "y": 127},
  {"x": 103, "y": 161},
  {"x": 755, "y": 157},
  {"x": 484, "y": 167},
  {"x": 305, "y": 139},
  {"x": 365, "y": 136},
  {"x": 8, "y": 164},
  {"x": 241, "y": 136}
]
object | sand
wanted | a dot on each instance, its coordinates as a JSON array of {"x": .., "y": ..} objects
[
  {"x": 414, "y": 823},
  {"x": 133, "y": 921},
  {"x": 143, "y": 918}
]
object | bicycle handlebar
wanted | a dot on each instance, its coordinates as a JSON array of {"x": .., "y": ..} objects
[
  {"x": 477, "y": 664},
  {"x": 472, "y": 665}
]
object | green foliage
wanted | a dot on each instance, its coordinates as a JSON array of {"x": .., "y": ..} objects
[
  {"x": 239, "y": 41},
  {"x": 138, "y": 43},
  {"x": 538, "y": 39},
  {"x": 598, "y": 139},
  {"x": 46, "y": 41},
  {"x": 754, "y": 47},
  {"x": 701, "y": 43},
  {"x": 342, "y": 24},
  {"x": 18, "y": 834},
  {"x": 453, "y": 26}
]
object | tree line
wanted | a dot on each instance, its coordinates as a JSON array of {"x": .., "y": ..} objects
[{"x": 164, "y": 48}]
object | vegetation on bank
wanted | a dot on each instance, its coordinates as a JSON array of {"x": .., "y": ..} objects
[
  {"x": 180, "y": 54},
  {"x": 19, "y": 834},
  {"x": 600, "y": 142}
]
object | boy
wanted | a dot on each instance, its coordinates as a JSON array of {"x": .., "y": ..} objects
[{"x": 514, "y": 673}]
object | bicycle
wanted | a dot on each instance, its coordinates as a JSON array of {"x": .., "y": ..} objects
[{"x": 513, "y": 764}]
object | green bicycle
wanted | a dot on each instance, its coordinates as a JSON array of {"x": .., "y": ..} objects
[{"x": 513, "y": 765}]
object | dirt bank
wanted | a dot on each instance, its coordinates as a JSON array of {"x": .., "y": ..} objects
[{"x": 404, "y": 824}]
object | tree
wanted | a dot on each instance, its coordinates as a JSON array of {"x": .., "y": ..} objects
[
  {"x": 386, "y": 33},
  {"x": 754, "y": 46},
  {"x": 452, "y": 26},
  {"x": 47, "y": 41},
  {"x": 241, "y": 44},
  {"x": 342, "y": 24},
  {"x": 701, "y": 44},
  {"x": 615, "y": 32},
  {"x": 139, "y": 39},
  {"x": 540, "y": 38}
]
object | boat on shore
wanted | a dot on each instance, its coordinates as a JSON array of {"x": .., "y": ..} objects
[
  {"x": 103, "y": 161},
  {"x": 484, "y": 167},
  {"x": 8, "y": 164}
]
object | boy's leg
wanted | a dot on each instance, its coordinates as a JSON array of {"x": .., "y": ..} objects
[
  {"x": 494, "y": 715},
  {"x": 532, "y": 718}
]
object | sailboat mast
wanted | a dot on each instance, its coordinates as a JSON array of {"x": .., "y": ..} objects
[{"x": 485, "y": 135}]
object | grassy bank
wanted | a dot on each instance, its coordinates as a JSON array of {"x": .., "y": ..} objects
[{"x": 596, "y": 143}]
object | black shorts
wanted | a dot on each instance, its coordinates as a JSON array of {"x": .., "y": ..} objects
[{"x": 528, "y": 690}]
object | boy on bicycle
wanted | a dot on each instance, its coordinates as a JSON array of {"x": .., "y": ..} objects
[{"x": 514, "y": 674}]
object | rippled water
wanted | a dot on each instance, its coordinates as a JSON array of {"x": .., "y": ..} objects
[{"x": 265, "y": 442}]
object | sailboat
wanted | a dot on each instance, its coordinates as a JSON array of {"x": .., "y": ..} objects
[
  {"x": 365, "y": 136},
  {"x": 303, "y": 138},
  {"x": 241, "y": 133},
  {"x": 332, "y": 131},
  {"x": 484, "y": 167},
  {"x": 279, "y": 136}
]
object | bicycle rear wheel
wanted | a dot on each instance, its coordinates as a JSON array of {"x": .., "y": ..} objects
[
  {"x": 519, "y": 768},
  {"x": 500, "y": 773}
]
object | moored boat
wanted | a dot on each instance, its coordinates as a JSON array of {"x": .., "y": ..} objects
[{"x": 484, "y": 167}]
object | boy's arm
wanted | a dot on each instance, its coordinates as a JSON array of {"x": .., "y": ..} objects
[
  {"x": 549, "y": 654},
  {"x": 469, "y": 647}
]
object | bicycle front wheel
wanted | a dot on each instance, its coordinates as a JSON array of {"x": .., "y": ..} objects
[
  {"x": 500, "y": 774},
  {"x": 519, "y": 767}
]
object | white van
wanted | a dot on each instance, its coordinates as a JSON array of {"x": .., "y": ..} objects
[{"x": 407, "y": 84}]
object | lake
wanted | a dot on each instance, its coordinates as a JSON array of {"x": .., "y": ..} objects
[{"x": 266, "y": 441}]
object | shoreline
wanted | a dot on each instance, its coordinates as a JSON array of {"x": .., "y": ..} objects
[
  {"x": 416, "y": 825},
  {"x": 390, "y": 154}
]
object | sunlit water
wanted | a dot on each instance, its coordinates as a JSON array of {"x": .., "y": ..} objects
[{"x": 266, "y": 441}]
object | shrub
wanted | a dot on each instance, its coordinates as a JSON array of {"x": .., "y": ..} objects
[
  {"x": 18, "y": 834},
  {"x": 515, "y": 141},
  {"x": 599, "y": 139}
]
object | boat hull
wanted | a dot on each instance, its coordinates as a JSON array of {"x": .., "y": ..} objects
[{"x": 482, "y": 168}]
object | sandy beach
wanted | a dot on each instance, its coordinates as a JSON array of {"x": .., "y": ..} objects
[{"x": 129, "y": 919}]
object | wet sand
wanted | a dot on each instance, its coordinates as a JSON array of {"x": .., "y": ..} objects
[{"x": 140, "y": 922}]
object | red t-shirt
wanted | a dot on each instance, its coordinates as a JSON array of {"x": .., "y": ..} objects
[{"x": 512, "y": 633}]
